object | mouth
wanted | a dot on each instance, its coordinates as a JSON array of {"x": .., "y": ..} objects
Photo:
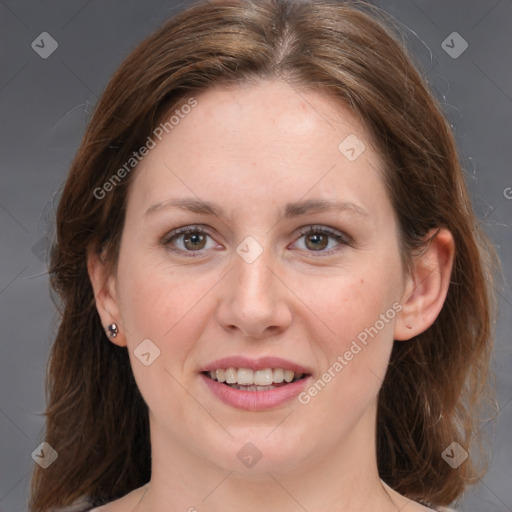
[
  {"x": 246, "y": 379},
  {"x": 255, "y": 384}
]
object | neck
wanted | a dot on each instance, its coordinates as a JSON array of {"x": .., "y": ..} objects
[{"x": 344, "y": 479}]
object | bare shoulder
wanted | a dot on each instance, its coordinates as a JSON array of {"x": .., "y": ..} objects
[
  {"x": 133, "y": 498},
  {"x": 127, "y": 502},
  {"x": 412, "y": 506},
  {"x": 418, "y": 507}
]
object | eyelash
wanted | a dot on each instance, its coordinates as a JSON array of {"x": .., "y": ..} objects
[{"x": 341, "y": 238}]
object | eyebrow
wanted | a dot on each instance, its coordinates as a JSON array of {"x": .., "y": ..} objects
[{"x": 291, "y": 210}]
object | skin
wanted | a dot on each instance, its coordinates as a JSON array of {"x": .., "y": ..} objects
[{"x": 252, "y": 149}]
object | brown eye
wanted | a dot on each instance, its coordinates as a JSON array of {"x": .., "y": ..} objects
[
  {"x": 194, "y": 241},
  {"x": 322, "y": 240},
  {"x": 188, "y": 241},
  {"x": 317, "y": 241}
]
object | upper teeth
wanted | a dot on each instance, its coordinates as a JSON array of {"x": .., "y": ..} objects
[{"x": 248, "y": 377}]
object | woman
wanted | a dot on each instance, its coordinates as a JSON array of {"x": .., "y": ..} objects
[{"x": 274, "y": 290}]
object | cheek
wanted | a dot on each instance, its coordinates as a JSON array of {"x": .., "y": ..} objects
[
  {"x": 357, "y": 301},
  {"x": 360, "y": 310},
  {"x": 354, "y": 360},
  {"x": 162, "y": 304}
]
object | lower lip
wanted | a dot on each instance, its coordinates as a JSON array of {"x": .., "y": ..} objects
[{"x": 255, "y": 400}]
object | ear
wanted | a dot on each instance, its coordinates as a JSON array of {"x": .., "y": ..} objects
[
  {"x": 104, "y": 286},
  {"x": 426, "y": 286}
]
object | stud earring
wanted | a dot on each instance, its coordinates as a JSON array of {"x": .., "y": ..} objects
[{"x": 113, "y": 330}]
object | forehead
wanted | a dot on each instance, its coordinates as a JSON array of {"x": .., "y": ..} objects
[{"x": 270, "y": 141}]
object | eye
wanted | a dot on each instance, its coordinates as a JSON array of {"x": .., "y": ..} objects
[
  {"x": 193, "y": 239},
  {"x": 322, "y": 239},
  {"x": 187, "y": 239}
]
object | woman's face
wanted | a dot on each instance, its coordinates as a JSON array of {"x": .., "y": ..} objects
[{"x": 275, "y": 279}]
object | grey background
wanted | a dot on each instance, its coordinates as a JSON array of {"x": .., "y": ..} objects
[{"x": 44, "y": 108}]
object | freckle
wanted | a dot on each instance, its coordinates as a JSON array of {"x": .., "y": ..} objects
[{"x": 362, "y": 281}]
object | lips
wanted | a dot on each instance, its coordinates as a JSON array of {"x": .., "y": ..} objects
[
  {"x": 261, "y": 363},
  {"x": 255, "y": 384}
]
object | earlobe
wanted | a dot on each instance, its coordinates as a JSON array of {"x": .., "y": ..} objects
[
  {"x": 103, "y": 285},
  {"x": 427, "y": 286}
]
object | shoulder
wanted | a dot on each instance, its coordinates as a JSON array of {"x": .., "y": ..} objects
[
  {"x": 439, "y": 509},
  {"x": 90, "y": 504},
  {"x": 423, "y": 508},
  {"x": 412, "y": 506},
  {"x": 83, "y": 504},
  {"x": 127, "y": 502}
]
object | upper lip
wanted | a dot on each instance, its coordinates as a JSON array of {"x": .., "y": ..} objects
[{"x": 260, "y": 363}]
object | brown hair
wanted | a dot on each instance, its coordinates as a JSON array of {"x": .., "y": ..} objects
[{"x": 96, "y": 418}]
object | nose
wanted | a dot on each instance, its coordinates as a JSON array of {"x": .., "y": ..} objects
[{"x": 255, "y": 302}]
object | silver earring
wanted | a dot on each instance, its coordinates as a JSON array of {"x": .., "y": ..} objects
[{"x": 113, "y": 330}]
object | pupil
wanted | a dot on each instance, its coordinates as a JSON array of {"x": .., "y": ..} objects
[
  {"x": 196, "y": 240},
  {"x": 319, "y": 241}
]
